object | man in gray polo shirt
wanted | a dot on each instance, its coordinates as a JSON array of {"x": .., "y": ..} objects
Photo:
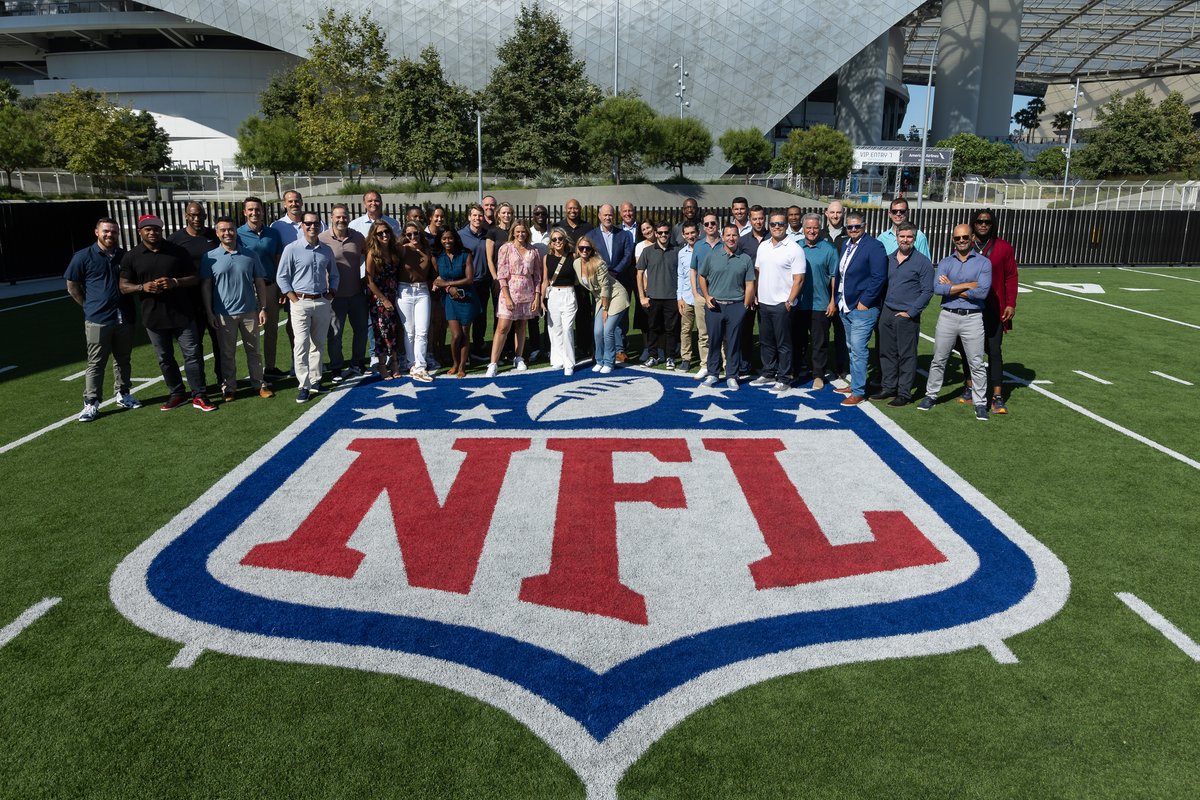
[
  {"x": 350, "y": 303},
  {"x": 727, "y": 285},
  {"x": 964, "y": 279},
  {"x": 233, "y": 288},
  {"x": 657, "y": 274}
]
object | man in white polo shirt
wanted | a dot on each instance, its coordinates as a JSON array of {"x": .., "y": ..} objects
[{"x": 780, "y": 267}]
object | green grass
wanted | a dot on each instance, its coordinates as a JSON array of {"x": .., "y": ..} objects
[{"x": 1100, "y": 705}]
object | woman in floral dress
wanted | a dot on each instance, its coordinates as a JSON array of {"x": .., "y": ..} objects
[{"x": 383, "y": 278}]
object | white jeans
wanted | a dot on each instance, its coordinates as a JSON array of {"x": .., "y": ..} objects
[
  {"x": 412, "y": 302},
  {"x": 310, "y": 324},
  {"x": 560, "y": 325}
]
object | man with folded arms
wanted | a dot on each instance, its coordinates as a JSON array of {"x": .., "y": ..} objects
[
  {"x": 780, "y": 268},
  {"x": 964, "y": 279},
  {"x": 909, "y": 290},
  {"x": 727, "y": 285},
  {"x": 308, "y": 275},
  {"x": 234, "y": 290}
]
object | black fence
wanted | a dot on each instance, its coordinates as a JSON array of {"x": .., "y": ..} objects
[{"x": 37, "y": 239}]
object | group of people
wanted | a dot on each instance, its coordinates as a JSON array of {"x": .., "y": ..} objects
[{"x": 693, "y": 286}]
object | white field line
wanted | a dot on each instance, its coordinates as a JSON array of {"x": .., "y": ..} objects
[
  {"x": 6, "y": 369},
  {"x": 1112, "y": 305},
  {"x": 1159, "y": 274},
  {"x": 1092, "y": 377},
  {"x": 1160, "y": 623},
  {"x": 74, "y": 376},
  {"x": 67, "y": 420},
  {"x": 34, "y": 303},
  {"x": 27, "y": 618},
  {"x": 1191, "y": 462},
  {"x": 186, "y": 657},
  {"x": 1161, "y": 375},
  {"x": 1000, "y": 651}
]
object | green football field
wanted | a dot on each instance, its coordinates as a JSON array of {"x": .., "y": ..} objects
[{"x": 1099, "y": 460}]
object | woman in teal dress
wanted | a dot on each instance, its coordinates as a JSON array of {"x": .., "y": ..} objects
[{"x": 455, "y": 276}]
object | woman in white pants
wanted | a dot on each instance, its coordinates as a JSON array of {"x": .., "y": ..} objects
[
  {"x": 558, "y": 287},
  {"x": 412, "y": 299}
]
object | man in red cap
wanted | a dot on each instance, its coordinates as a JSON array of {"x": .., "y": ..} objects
[{"x": 163, "y": 275}]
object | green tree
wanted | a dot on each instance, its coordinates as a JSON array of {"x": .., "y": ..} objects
[
  {"x": 1061, "y": 121},
  {"x": 150, "y": 143},
  {"x": 8, "y": 93},
  {"x": 271, "y": 145},
  {"x": 745, "y": 148},
  {"x": 340, "y": 88},
  {"x": 427, "y": 119},
  {"x": 21, "y": 135},
  {"x": 618, "y": 127},
  {"x": 534, "y": 98},
  {"x": 281, "y": 98},
  {"x": 679, "y": 142},
  {"x": 1029, "y": 117},
  {"x": 818, "y": 152},
  {"x": 1183, "y": 143},
  {"x": 1136, "y": 138},
  {"x": 978, "y": 156},
  {"x": 1050, "y": 164}
]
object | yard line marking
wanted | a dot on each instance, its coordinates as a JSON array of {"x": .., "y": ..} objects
[
  {"x": 186, "y": 657},
  {"x": 1160, "y": 275},
  {"x": 27, "y": 618},
  {"x": 1112, "y": 305},
  {"x": 1138, "y": 289},
  {"x": 1092, "y": 377},
  {"x": 1043, "y": 383},
  {"x": 74, "y": 376},
  {"x": 6, "y": 369},
  {"x": 1191, "y": 462},
  {"x": 67, "y": 420},
  {"x": 1160, "y": 623},
  {"x": 999, "y": 651},
  {"x": 34, "y": 303},
  {"x": 1152, "y": 372}
]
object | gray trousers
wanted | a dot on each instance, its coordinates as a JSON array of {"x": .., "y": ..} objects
[
  {"x": 898, "y": 337},
  {"x": 103, "y": 341},
  {"x": 227, "y": 335},
  {"x": 353, "y": 307},
  {"x": 969, "y": 328}
]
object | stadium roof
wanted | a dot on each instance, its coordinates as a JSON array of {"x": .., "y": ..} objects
[{"x": 1097, "y": 39}]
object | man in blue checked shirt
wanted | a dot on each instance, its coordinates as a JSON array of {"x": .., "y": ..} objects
[
  {"x": 964, "y": 279},
  {"x": 308, "y": 275}
]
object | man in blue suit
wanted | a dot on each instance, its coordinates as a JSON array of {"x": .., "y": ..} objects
[
  {"x": 862, "y": 273},
  {"x": 616, "y": 248}
]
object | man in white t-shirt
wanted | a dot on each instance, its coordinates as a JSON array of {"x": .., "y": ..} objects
[{"x": 780, "y": 267}]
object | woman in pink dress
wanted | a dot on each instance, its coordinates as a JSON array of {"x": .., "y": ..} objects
[{"x": 519, "y": 273}]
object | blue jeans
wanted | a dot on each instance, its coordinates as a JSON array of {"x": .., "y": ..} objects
[
  {"x": 604, "y": 332},
  {"x": 859, "y": 325}
]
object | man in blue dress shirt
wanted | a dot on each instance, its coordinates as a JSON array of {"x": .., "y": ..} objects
[{"x": 308, "y": 275}]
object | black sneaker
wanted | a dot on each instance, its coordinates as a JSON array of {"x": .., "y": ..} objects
[
  {"x": 981, "y": 412},
  {"x": 925, "y": 404}
]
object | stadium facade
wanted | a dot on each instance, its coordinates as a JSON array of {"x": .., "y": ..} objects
[{"x": 199, "y": 64}]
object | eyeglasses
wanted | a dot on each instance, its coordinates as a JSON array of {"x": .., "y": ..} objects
[
  {"x": 966, "y": 238},
  {"x": 310, "y": 224},
  {"x": 985, "y": 222},
  {"x": 898, "y": 212},
  {"x": 855, "y": 227},
  {"x": 776, "y": 224}
]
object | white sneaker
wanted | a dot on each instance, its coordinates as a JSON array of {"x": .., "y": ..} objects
[
  {"x": 779, "y": 388},
  {"x": 732, "y": 383},
  {"x": 605, "y": 370},
  {"x": 711, "y": 380},
  {"x": 128, "y": 401},
  {"x": 491, "y": 370},
  {"x": 519, "y": 364},
  {"x": 568, "y": 371},
  {"x": 90, "y": 412},
  {"x": 762, "y": 380},
  {"x": 702, "y": 374},
  {"x": 374, "y": 361},
  {"x": 597, "y": 368}
]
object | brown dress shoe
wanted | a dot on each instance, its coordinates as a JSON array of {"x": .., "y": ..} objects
[
  {"x": 854, "y": 400},
  {"x": 265, "y": 392},
  {"x": 843, "y": 390},
  {"x": 227, "y": 397}
]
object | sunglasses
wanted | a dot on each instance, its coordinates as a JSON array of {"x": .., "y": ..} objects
[
  {"x": 855, "y": 227},
  {"x": 962, "y": 238},
  {"x": 585, "y": 249},
  {"x": 410, "y": 235},
  {"x": 710, "y": 224},
  {"x": 776, "y": 224},
  {"x": 898, "y": 212},
  {"x": 985, "y": 222},
  {"x": 383, "y": 233},
  {"x": 557, "y": 239},
  {"x": 662, "y": 233},
  {"x": 312, "y": 224}
]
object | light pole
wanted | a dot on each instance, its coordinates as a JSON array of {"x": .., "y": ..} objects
[
  {"x": 479, "y": 149},
  {"x": 683, "y": 73},
  {"x": 1071, "y": 134},
  {"x": 925, "y": 132}
]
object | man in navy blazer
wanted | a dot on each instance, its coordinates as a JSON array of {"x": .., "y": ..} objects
[
  {"x": 616, "y": 248},
  {"x": 862, "y": 274}
]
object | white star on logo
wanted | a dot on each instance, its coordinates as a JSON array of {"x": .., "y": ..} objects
[
  {"x": 796, "y": 391},
  {"x": 479, "y": 412},
  {"x": 388, "y": 413},
  {"x": 408, "y": 390},
  {"x": 805, "y": 414},
  {"x": 700, "y": 390},
  {"x": 716, "y": 412},
  {"x": 491, "y": 390}
]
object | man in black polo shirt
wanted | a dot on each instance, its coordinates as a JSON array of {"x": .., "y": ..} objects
[
  {"x": 199, "y": 239},
  {"x": 163, "y": 275}
]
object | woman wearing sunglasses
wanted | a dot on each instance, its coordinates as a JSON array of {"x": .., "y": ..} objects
[
  {"x": 611, "y": 302},
  {"x": 558, "y": 287},
  {"x": 383, "y": 279},
  {"x": 416, "y": 273}
]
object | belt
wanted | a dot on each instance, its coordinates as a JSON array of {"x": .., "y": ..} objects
[
  {"x": 962, "y": 312},
  {"x": 303, "y": 296},
  {"x": 727, "y": 302}
]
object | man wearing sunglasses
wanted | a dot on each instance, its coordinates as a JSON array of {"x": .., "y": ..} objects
[
  {"x": 862, "y": 273},
  {"x": 964, "y": 279},
  {"x": 1000, "y": 306},
  {"x": 898, "y": 215},
  {"x": 711, "y": 230}
]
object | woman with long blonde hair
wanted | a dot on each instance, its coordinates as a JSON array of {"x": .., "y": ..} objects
[{"x": 519, "y": 277}]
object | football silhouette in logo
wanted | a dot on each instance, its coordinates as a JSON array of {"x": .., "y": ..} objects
[{"x": 595, "y": 397}]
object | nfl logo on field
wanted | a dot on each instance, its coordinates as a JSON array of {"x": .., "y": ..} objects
[{"x": 599, "y": 557}]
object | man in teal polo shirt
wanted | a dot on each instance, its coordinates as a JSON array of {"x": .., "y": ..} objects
[
  {"x": 263, "y": 241},
  {"x": 727, "y": 286}
]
